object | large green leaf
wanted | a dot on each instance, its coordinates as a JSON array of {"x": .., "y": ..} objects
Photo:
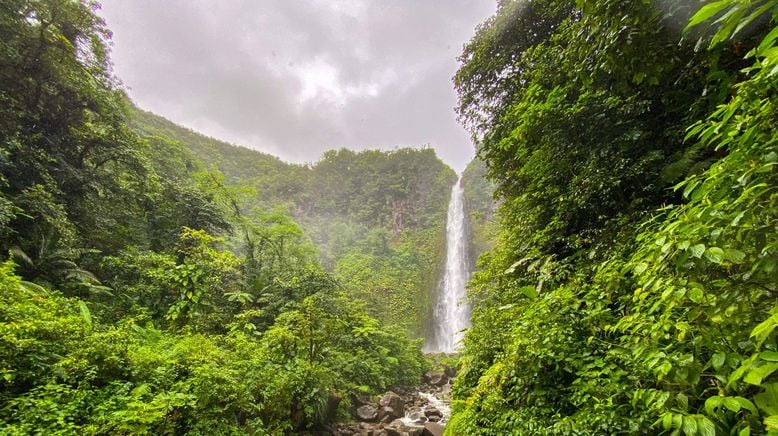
[{"x": 708, "y": 11}]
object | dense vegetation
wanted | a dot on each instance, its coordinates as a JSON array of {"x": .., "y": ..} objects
[
  {"x": 156, "y": 281},
  {"x": 633, "y": 286},
  {"x": 376, "y": 218},
  {"x": 153, "y": 280}
]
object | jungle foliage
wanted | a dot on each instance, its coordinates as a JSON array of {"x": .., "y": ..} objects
[
  {"x": 376, "y": 217},
  {"x": 144, "y": 291},
  {"x": 633, "y": 286}
]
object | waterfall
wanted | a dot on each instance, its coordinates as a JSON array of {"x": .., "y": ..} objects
[{"x": 451, "y": 312}]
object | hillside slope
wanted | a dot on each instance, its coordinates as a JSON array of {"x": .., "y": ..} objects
[{"x": 376, "y": 217}]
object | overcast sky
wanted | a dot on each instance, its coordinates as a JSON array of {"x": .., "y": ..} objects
[{"x": 295, "y": 78}]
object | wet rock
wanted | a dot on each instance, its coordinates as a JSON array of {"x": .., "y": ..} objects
[
  {"x": 433, "y": 429},
  {"x": 394, "y": 401},
  {"x": 416, "y": 415},
  {"x": 435, "y": 378},
  {"x": 367, "y": 413},
  {"x": 396, "y": 411},
  {"x": 396, "y": 428},
  {"x": 386, "y": 414},
  {"x": 433, "y": 412},
  {"x": 450, "y": 372}
]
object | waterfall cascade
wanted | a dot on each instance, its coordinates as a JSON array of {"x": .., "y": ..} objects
[{"x": 451, "y": 312}]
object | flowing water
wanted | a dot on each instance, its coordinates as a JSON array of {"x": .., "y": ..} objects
[{"x": 451, "y": 312}]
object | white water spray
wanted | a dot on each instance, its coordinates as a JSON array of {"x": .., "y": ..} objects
[{"x": 452, "y": 313}]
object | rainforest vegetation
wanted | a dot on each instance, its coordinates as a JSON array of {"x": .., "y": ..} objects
[
  {"x": 633, "y": 285},
  {"x": 157, "y": 281}
]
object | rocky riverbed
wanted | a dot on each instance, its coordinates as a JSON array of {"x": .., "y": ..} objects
[{"x": 403, "y": 412}]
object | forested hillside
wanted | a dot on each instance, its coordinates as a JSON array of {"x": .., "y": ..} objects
[
  {"x": 157, "y": 281},
  {"x": 632, "y": 289},
  {"x": 375, "y": 217}
]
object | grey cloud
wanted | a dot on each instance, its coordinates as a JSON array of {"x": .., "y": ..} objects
[{"x": 295, "y": 78}]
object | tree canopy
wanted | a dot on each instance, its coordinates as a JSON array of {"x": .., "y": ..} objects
[{"x": 632, "y": 287}]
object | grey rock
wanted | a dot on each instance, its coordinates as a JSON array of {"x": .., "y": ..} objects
[
  {"x": 396, "y": 428},
  {"x": 389, "y": 411},
  {"x": 433, "y": 429},
  {"x": 429, "y": 413},
  {"x": 435, "y": 378},
  {"x": 367, "y": 413},
  {"x": 417, "y": 415},
  {"x": 390, "y": 399}
]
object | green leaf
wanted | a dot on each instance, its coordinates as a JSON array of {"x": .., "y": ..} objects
[
  {"x": 764, "y": 329},
  {"x": 756, "y": 375},
  {"x": 705, "y": 427},
  {"x": 529, "y": 291},
  {"x": 714, "y": 254},
  {"x": 677, "y": 421},
  {"x": 718, "y": 360},
  {"x": 746, "y": 404},
  {"x": 682, "y": 401},
  {"x": 667, "y": 421},
  {"x": 770, "y": 356},
  {"x": 689, "y": 426},
  {"x": 767, "y": 42},
  {"x": 771, "y": 422},
  {"x": 754, "y": 15},
  {"x": 85, "y": 313},
  {"x": 712, "y": 403},
  {"x": 767, "y": 401},
  {"x": 734, "y": 256},
  {"x": 707, "y": 11},
  {"x": 31, "y": 287},
  {"x": 698, "y": 250},
  {"x": 731, "y": 404}
]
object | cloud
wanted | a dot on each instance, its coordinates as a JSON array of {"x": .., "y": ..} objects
[{"x": 296, "y": 78}]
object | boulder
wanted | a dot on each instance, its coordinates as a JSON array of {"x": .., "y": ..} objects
[
  {"x": 435, "y": 378},
  {"x": 433, "y": 412},
  {"x": 388, "y": 414},
  {"x": 390, "y": 399},
  {"x": 433, "y": 429},
  {"x": 396, "y": 428},
  {"x": 367, "y": 413},
  {"x": 450, "y": 372},
  {"x": 417, "y": 416}
]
